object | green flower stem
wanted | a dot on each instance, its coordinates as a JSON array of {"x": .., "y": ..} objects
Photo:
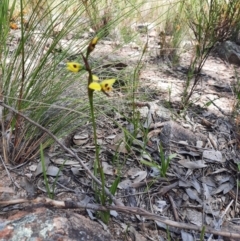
[
  {"x": 100, "y": 168},
  {"x": 90, "y": 98}
]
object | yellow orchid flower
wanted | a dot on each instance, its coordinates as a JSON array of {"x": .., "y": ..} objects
[
  {"x": 95, "y": 86},
  {"x": 92, "y": 45},
  {"x": 95, "y": 78},
  {"x": 74, "y": 66},
  {"x": 94, "y": 41},
  {"x": 105, "y": 85}
]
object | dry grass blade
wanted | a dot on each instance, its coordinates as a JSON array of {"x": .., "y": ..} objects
[{"x": 66, "y": 149}]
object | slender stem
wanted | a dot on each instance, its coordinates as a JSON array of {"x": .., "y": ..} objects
[
  {"x": 90, "y": 98},
  {"x": 100, "y": 168}
]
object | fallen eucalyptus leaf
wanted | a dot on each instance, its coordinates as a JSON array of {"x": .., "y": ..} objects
[
  {"x": 61, "y": 161},
  {"x": 53, "y": 171},
  {"x": 39, "y": 166},
  {"x": 225, "y": 188},
  {"x": 186, "y": 236},
  {"x": 193, "y": 164},
  {"x": 125, "y": 184},
  {"x": 193, "y": 195},
  {"x": 107, "y": 169},
  {"x": 139, "y": 176},
  {"x": 213, "y": 155}
]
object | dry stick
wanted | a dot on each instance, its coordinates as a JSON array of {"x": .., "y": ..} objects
[
  {"x": 220, "y": 221},
  {"x": 9, "y": 175},
  {"x": 175, "y": 214},
  {"x": 116, "y": 202},
  {"x": 123, "y": 209},
  {"x": 222, "y": 111},
  {"x": 236, "y": 199},
  {"x": 165, "y": 189},
  {"x": 4, "y": 139}
]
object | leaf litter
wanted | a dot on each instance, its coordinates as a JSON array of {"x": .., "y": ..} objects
[{"x": 202, "y": 180}]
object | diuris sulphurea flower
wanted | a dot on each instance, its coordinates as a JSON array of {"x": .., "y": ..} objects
[
  {"x": 74, "y": 66},
  {"x": 105, "y": 85},
  {"x": 92, "y": 45}
]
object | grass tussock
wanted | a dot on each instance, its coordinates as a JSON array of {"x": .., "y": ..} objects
[{"x": 38, "y": 37}]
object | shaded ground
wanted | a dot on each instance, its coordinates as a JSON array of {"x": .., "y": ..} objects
[{"x": 200, "y": 186}]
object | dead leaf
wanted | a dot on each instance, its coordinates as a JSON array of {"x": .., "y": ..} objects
[
  {"x": 190, "y": 153},
  {"x": 125, "y": 184},
  {"x": 139, "y": 176},
  {"x": 13, "y": 26},
  {"x": 196, "y": 185},
  {"x": 53, "y": 171},
  {"x": 220, "y": 170},
  {"x": 199, "y": 144},
  {"x": 187, "y": 236},
  {"x": 39, "y": 166},
  {"x": 213, "y": 155},
  {"x": 160, "y": 205},
  {"x": 192, "y": 164},
  {"x": 193, "y": 195},
  {"x": 81, "y": 138},
  {"x": 208, "y": 180},
  {"x": 225, "y": 188},
  {"x": 119, "y": 148},
  {"x": 194, "y": 217},
  {"x": 61, "y": 161},
  {"x": 107, "y": 169},
  {"x": 184, "y": 183},
  {"x": 213, "y": 140},
  {"x": 206, "y": 192},
  {"x": 133, "y": 170}
]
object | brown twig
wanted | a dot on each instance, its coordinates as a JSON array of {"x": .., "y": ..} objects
[
  {"x": 165, "y": 189},
  {"x": 175, "y": 214},
  {"x": 108, "y": 193},
  {"x": 123, "y": 209}
]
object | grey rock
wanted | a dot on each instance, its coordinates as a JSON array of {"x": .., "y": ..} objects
[
  {"x": 230, "y": 52},
  {"x": 238, "y": 38},
  {"x": 46, "y": 224}
]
